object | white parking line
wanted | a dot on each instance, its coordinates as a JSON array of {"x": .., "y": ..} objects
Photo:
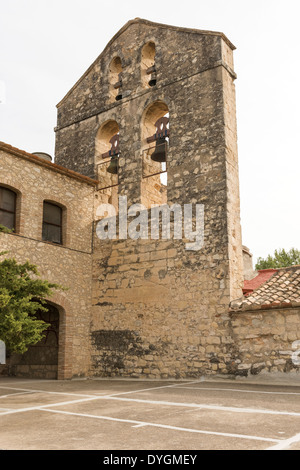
[
  {"x": 89, "y": 398},
  {"x": 34, "y": 408},
  {"x": 205, "y": 407},
  {"x": 152, "y": 388},
  {"x": 237, "y": 390},
  {"x": 14, "y": 394},
  {"x": 88, "y": 395},
  {"x": 28, "y": 390},
  {"x": 279, "y": 443},
  {"x": 166, "y": 426},
  {"x": 286, "y": 443},
  {"x": 198, "y": 406}
]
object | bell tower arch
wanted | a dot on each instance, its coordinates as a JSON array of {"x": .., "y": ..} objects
[
  {"x": 155, "y": 295},
  {"x": 154, "y": 153}
]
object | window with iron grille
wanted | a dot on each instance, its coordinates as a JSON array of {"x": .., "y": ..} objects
[
  {"x": 8, "y": 208},
  {"x": 52, "y": 223}
]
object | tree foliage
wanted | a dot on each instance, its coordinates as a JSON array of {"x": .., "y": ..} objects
[
  {"x": 5, "y": 229},
  {"x": 280, "y": 259},
  {"x": 22, "y": 294}
]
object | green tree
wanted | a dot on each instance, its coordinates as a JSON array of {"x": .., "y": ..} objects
[
  {"x": 280, "y": 259},
  {"x": 4, "y": 229},
  {"x": 22, "y": 294}
]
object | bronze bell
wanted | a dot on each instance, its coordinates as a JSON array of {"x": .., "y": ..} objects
[
  {"x": 113, "y": 166},
  {"x": 152, "y": 81},
  {"x": 152, "y": 72},
  {"x": 119, "y": 95},
  {"x": 119, "y": 85},
  {"x": 159, "y": 154}
]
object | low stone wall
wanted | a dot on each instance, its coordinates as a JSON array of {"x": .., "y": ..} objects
[
  {"x": 265, "y": 340},
  {"x": 4, "y": 369},
  {"x": 32, "y": 371}
]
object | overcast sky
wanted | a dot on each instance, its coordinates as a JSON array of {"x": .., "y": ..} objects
[{"x": 46, "y": 45}]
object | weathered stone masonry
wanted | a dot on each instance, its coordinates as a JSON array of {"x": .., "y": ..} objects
[
  {"x": 266, "y": 325},
  {"x": 158, "y": 309},
  {"x": 264, "y": 341},
  {"x": 69, "y": 265},
  {"x": 150, "y": 308}
]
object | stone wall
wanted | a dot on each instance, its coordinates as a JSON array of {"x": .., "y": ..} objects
[
  {"x": 180, "y": 54},
  {"x": 159, "y": 309},
  {"x": 70, "y": 264},
  {"x": 249, "y": 272},
  {"x": 263, "y": 341}
]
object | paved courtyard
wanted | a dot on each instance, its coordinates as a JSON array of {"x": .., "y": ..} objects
[{"x": 148, "y": 415}]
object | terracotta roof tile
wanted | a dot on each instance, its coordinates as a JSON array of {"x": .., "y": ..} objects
[
  {"x": 281, "y": 289},
  {"x": 263, "y": 276}
]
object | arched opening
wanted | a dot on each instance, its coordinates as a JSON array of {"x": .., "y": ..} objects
[
  {"x": 155, "y": 142},
  {"x": 148, "y": 68},
  {"x": 104, "y": 134},
  {"x": 115, "y": 79},
  {"x": 106, "y": 160},
  {"x": 41, "y": 359}
]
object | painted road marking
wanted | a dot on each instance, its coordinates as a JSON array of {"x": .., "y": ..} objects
[
  {"x": 286, "y": 443},
  {"x": 279, "y": 443},
  {"x": 87, "y": 395},
  {"x": 165, "y": 426},
  {"x": 155, "y": 402},
  {"x": 14, "y": 394},
  {"x": 205, "y": 407},
  {"x": 153, "y": 388},
  {"x": 46, "y": 391},
  {"x": 34, "y": 408},
  {"x": 237, "y": 390},
  {"x": 89, "y": 398}
]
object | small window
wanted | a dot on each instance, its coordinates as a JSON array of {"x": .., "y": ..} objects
[
  {"x": 8, "y": 208},
  {"x": 52, "y": 223}
]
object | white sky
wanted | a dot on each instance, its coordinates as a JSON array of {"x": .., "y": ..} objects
[{"x": 46, "y": 45}]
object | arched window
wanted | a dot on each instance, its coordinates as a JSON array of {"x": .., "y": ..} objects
[
  {"x": 103, "y": 143},
  {"x": 155, "y": 143},
  {"x": 8, "y": 199},
  {"x": 107, "y": 152},
  {"x": 115, "y": 79},
  {"x": 52, "y": 223},
  {"x": 148, "y": 69}
]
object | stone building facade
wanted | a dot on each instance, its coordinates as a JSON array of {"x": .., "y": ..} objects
[
  {"x": 140, "y": 307},
  {"x": 266, "y": 324},
  {"x": 158, "y": 309},
  {"x": 69, "y": 264}
]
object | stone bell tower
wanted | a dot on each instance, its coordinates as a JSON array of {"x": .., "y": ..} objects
[{"x": 154, "y": 118}]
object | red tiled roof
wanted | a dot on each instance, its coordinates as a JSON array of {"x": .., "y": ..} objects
[
  {"x": 281, "y": 290},
  {"x": 263, "y": 276}
]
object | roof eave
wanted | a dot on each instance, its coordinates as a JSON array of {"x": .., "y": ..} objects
[{"x": 51, "y": 166}]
